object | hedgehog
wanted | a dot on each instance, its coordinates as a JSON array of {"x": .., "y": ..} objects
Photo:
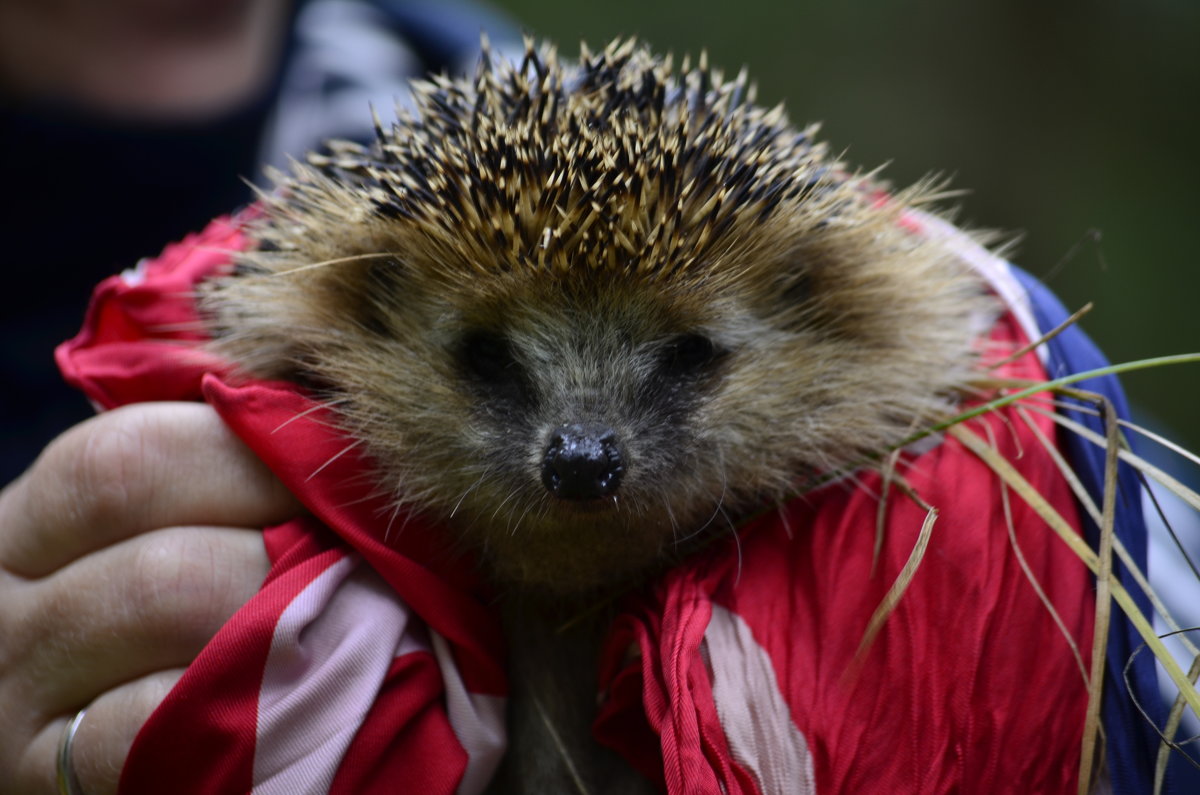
[{"x": 588, "y": 315}]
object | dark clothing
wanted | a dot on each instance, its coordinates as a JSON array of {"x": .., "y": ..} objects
[{"x": 88, "y": 197}]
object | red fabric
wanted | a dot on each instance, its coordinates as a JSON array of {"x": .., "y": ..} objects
[
  {"x": 403, "y": 746},
  {"x": 439, "y": 585},
  {"x": 969, "y": 687},
  {"x": 223, "y": 685},
  {"x": 135, "y": 346}
]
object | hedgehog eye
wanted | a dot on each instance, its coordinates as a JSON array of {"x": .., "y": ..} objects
[
  {"x": 690, "y": 353},
  {"x": 490, "y": 357}
]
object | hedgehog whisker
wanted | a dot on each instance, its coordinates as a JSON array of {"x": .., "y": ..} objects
[
  {"x": 737, "y": 545},
  {"x": 699, "y": 531},
  {"x": 326, "y": 404},
  {"x": 503, "y": 502},
  {"x": 333, "y": 458},
  {"x": 717, "y": 510},
  {"x": 543, "y": 505},
  {"x": 336, "y": 261},
  {"x": 671, "y": 516},
  {"x": 470, "y": 488},
  {"x": 197, "y": 326},
  {"x": 387, "y": 530},
  {"x": 784, "y": 521},
  {"x": 515, "y": 525}
]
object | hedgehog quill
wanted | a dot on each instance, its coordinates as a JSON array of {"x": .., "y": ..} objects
[
  {"x": 589, "y": 315},
  {"x": 585, "y": 318},
  {"x": 607, "y": 297}
]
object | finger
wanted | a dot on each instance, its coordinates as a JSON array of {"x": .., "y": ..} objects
[
  {"x": 102, "y": 740},
  {"x": 109, "y": 727},
  {"x": 129, "y": 471},
  {"x": 149, "y": 603}
]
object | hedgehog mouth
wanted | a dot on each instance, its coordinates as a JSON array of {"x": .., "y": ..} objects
[{"x": 590, "y": 506}]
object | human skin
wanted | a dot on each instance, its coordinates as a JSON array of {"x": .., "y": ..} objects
[
  {"x": 140, "y": 59},
  {"x": 123, "y": 549},
  {"x": 135, "y": 535}
]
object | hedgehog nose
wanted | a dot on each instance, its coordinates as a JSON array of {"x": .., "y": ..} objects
[{"x": 582, "y": 462}]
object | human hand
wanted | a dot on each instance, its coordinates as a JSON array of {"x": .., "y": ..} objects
[{"x": 123, "y": 549}]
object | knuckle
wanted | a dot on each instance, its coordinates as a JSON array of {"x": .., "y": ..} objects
[
  {"x": 107, "y": 469},
  {"x": 175, "y": 580},
  {"x": 142, "y": 700},
  {"x": 52, "y": 625},
  {"x": 17, "y": 633}
]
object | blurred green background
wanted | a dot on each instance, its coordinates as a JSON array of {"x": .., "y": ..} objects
[{"x": 1058, "y": 118}]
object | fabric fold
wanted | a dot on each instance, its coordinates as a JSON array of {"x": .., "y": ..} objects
[{"x": 737, "y": 672}]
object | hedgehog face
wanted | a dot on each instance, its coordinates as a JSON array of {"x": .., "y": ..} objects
[
  {"x": 583, "y": 418},
  {"x": 587, "y": 314},
  {"x": 556, "y": 424}
]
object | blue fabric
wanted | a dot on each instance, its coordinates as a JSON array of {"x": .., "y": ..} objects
[
  {"x": 1132, "y": 744},
  {"x": 443, "y": 31}
]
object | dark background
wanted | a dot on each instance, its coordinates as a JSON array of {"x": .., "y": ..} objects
[{"x": 1058, "y": 118}]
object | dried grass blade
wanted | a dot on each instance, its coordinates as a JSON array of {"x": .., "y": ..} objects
[
  {"x": 1177, "y": 488},
  {"x": 1043, "y": 597},
  {"x": 903, "y": 579},
  {"x": 1054, "y": 332},
  {"x": 1067, "y": 534},
  {"x": 1166, "y": 523},
  {"x": 1089, "y": 505},
  {"x": 888, "y": 472},
  {"x": 1162, "y": 440},
  {"x": 1025, "y": 389},
  {"x": 1174, "y": 718},
  {"x": 1142, "y": 475},
  {"x": 561, "y": 747},
  {"x": 1091, "y": 724},
  {"x": 1064, "y": 468},
  {"x": 1051, "y": 386}
]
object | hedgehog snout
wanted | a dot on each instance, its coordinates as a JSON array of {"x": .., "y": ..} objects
[{"x": 583, "y": 461}]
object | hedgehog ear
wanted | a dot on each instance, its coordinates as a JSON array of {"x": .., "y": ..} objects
[
  {"x": 795, "y": 287},
  {"x": 791, "y": 289},
  {"x": 382, "y": 285}
]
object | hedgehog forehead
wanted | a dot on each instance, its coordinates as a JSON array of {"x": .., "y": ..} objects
[
  {"x": 616, "y": 164},
  {"x": 581, "y": 309}
]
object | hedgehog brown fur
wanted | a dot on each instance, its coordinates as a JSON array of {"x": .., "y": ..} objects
[
  {"x": 629, "y": 268},
  {"x": 616, "y": 244}
]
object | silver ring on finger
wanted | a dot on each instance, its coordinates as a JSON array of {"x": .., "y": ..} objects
[{"x": 68, "y": 782}]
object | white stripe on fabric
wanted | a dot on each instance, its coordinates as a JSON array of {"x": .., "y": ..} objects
[
  {"x": 757, "y": 720},
  {"x": 137, "y": 274},
  {"x": 995, "y": 270},
  {"x": 477, "y": 721},
  {"x": 330, "y": 652}
]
